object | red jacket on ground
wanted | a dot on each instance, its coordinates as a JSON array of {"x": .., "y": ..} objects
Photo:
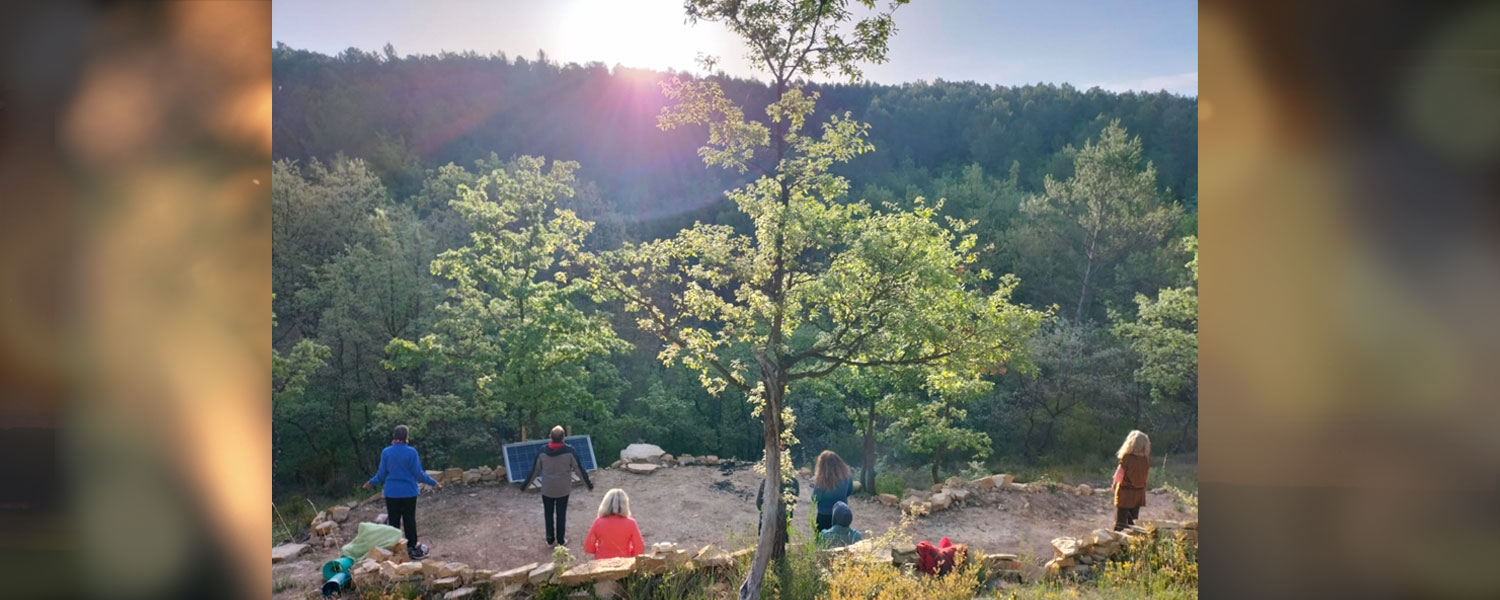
[
  {"x": 939, "y": 559},
  {"x": 614, "y": 536}
]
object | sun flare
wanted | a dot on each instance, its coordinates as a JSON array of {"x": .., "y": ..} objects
[{"x": 648, "y": 34}]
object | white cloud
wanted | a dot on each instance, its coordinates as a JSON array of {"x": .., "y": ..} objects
[{"x": 1180, "y": 83}]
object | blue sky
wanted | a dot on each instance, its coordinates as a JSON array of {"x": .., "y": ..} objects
[{"x": 1142, "y": 45}]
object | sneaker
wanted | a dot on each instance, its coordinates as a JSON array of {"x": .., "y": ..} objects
[{"x": 419, "y": 552}]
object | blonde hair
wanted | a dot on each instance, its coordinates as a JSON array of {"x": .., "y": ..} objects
[
  {"x": 615, "y": 502},
  {"x": 830, "y": 472},
  {"x": 1135, "y": 443}
]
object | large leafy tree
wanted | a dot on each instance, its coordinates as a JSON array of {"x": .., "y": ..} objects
[
  {"x": 1109, "y": 210},
  {"x": 1165, "y": 336},
  {"x": 513, "y": 337},
  {"x": 818, "y": 283}
]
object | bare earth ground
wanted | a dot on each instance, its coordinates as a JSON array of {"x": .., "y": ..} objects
[{"x": 496, "y": 526}]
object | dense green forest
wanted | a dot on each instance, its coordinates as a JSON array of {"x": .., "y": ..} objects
[{"x": 388, "y": 308}]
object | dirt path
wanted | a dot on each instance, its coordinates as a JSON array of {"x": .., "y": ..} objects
[{"x": 496, "y": 526}]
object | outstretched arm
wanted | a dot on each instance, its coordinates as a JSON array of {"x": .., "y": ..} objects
[
  {"x": 380, "y": 473},
  {"x": 585, "y": 474},
  {"x": 422, "y": 474},
  {"x": 535, "y": 464}
]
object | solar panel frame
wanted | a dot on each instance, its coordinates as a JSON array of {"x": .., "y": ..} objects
[{"x": 524, "y": 453}]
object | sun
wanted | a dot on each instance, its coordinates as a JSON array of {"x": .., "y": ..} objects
[{"x": 647, "y": 34}]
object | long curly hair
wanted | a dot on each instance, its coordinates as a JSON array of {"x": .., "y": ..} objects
[{"x": 830, "y": 472}]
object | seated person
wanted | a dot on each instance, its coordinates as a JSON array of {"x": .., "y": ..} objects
[
  {"x": 840, "y": 534},
  {"x": 614, "y": 534}
]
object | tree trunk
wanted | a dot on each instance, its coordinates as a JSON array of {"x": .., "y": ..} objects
[
  {"x": 1088, "y": 270},
  {"x": 772, "y": 541},
  {"x": 1083, "y": 295},
  {"x": 869, "y": 474},
  {"x": 937, "y": 457}
]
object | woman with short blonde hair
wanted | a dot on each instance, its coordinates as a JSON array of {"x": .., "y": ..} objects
[
  {"x": 1130, "y": 478},
  {"x": 614, "y": 534},
  {"x": 615, "y": 503}
]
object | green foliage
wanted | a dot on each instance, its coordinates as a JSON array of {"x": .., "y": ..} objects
[
  {"x": 1165, "y": 335},
  {"x": 1095, "y": 220},
  {"x": 511, "y": 342},
  {"x": 354, "y": 241}
]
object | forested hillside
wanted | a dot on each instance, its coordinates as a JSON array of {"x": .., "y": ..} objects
[{"x": 1088, "y": 197}]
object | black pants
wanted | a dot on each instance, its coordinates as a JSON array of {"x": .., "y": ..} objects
[
  {"x": 402, "y": 514},
  {"x": 788, "y": 522},
  {"x": 824, "y": 521},
  {"x": 560, "y": 507},
  {"x": 1125, "y": 517}
]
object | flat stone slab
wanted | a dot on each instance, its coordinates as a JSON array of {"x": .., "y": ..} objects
[
  {"x": 642, "y": 468},
  {"x": 286, "y": 552},
  {"x": 516, "y": 575},
  {"x": 605, "y": 569}
]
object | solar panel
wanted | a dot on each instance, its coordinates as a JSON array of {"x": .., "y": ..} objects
[{"x": 520, "y": 456}]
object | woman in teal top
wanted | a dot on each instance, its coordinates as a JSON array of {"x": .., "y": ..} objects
[{"x": 831, "y": 485}]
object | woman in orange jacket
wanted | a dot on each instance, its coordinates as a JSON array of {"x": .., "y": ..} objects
[
  {"x": 1130, "y": 478},
  {"x": 614, "y": 534}
]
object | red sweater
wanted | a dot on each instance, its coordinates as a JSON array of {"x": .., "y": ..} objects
[{"x": 614, "y": 536}]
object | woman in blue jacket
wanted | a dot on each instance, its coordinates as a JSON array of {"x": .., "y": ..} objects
[{"x": 400, "y": 470}]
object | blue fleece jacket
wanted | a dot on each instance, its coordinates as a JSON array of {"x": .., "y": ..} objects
[
  {"x": 839, "y": 493},
  {"x": 400, "y": 470}
]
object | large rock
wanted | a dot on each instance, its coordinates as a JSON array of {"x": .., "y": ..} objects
[
  {"x": 379, "y": 554},
  {"x": 958, "y": 495},
  {"x": 453, "y": 475},
  {"x": 364, "y": 568},
  {"x": 286, "y": 552},
  {"x": 1001, "y": 562},
  {"x": 1015, "y": 487},
  {"x": 507, "y": 592},
  {"x": 460, "y": 593},
  {"x": 1004, "y": 479},
  {"x": 903, "y": 554},
  {"x": 642, "y": 468},
  {"x": 641, "y": 453},
  {"x": 606, "y": 569},
  {"x": 408, "y": 569},
  {"x": 668, "y": 458},
  {"x": 472, "y": 476},
  {"x": 443, "y": 584},
  {"x": 431, "y": 569},
  {"x": 541, "y": 574},
  {"x": 1103, "y": 537},
  {"x": 516, "y": 575},
  {"x": 889, "y": 499},
  {"x": 936, "y": 487},
  {"x": 940, "y": 501},
  {"x": 984, "y": 482},
  {"x": 339, "y": 513},
  {"x": 1085, "y": 490},
  {"x": 709, "y": 556},
  {"x": 710, "y": 460},
  {"x": 1064, "y": 547},
  {"x": 436, "y": 475},
  {"x": 954, "y": 481},
  {"x": 324, "y": 527}
]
